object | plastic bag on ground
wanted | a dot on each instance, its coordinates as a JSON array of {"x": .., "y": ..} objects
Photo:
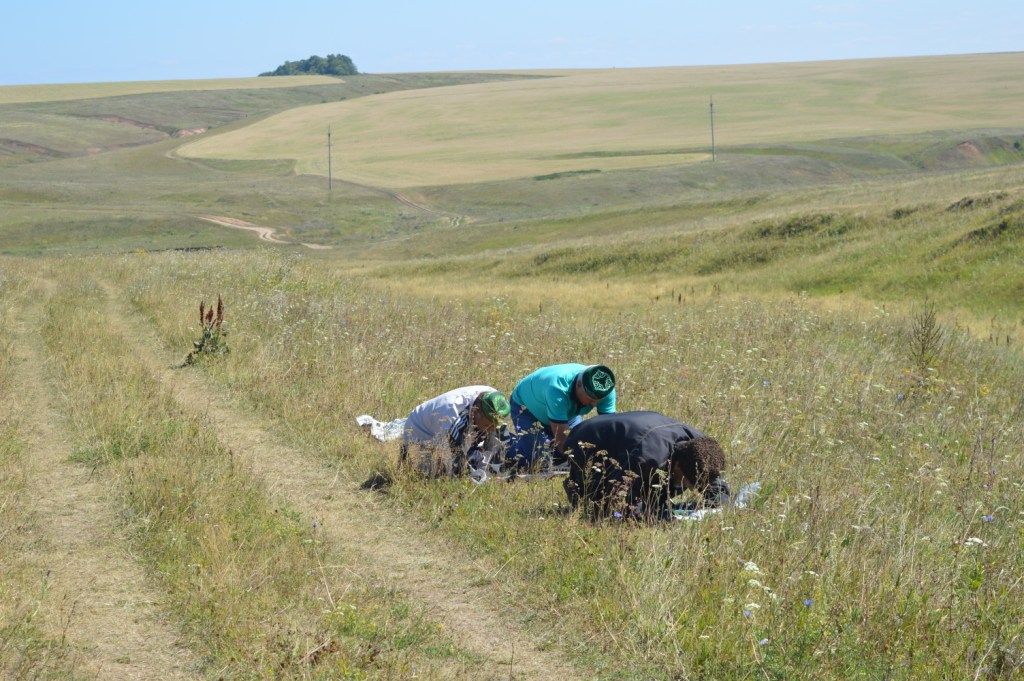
[{"x": 385, "y": 431}]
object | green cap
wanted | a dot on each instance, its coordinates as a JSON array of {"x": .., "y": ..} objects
[
  {"x": 597, "y": 380},
  {"x": 494, "y": 406}
]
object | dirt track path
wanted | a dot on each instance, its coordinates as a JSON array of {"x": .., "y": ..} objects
[
  {"x": 264, "y": 233},
  {"x": 432, "y": 573},
  {"x": 112, "y": 620},
  {"x": 454, "y": 219},
  {"x": 402, "y": 198}
]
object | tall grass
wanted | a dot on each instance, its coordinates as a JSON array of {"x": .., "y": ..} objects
[
  {"x": 257, "y": 592},
  {"x": 967, "y": 260},
  {"x": 887, "y": 539}
]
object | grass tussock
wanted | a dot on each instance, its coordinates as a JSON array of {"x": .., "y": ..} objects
[
  {"x": 886, "y": 542},
  {"x": 258, "y": 593},
  {"x": 826, "y": 224}
]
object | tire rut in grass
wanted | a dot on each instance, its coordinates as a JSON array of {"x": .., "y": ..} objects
[
  {"x": 387, "y": 545},
  {"x": 112, "y": 620}
]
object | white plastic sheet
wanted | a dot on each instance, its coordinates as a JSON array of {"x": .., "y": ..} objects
[
  {"x": 742, "y": 499},
  {"x": 385, "y": 431}
]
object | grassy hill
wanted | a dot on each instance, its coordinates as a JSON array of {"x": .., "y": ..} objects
[
  {"x": 178, "y": 523},
  {"x": 20, "y": 94},
  {"x": 46, "y": 122},
  {"x": 616, "y": 119}
]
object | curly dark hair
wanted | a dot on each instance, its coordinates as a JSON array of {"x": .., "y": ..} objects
[{"x": 701, "y": 460}]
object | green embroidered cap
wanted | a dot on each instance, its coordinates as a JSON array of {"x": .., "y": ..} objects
[
  {"x": 597, "y": 380},
  {"x": 495, "y": 406}
]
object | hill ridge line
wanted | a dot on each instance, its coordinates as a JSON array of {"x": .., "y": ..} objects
[{"x": 427, "y": 571}]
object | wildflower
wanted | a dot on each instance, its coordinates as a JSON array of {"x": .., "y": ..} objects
[
  {"x": 763, "y": 642},
  {"x": 808, "y": 602},
  {"x": 975, "y": 541},
  {"x": 751, "y": 566},
  {"x": 987, "y": 518},
  {"x": 747, "y": 613}
]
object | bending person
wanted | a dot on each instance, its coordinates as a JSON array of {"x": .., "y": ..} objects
[
  {"x": 549, "y": 402},
  {"x": 459, "y": 428},
  {"x": 633, "y": 463}
]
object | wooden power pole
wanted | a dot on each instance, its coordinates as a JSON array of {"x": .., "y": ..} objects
[{"x": 711, "y": 112}]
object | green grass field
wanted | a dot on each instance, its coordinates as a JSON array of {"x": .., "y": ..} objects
[
  {"x": 482, "y": 225},
  {"x": 617, "y": 119}
]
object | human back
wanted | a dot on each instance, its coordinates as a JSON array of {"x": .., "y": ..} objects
[
  {"x": 430, "y": 421},
  {"x": 632, "y": 463},
  {"x": 547, "y": 393}
]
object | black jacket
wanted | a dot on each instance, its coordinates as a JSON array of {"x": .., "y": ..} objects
[{"x": 620, "y": 462}]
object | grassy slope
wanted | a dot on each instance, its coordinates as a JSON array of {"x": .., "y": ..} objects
[
  {"x": 28, "y": 233},
  {"x": 742, "y": 172},
  {"x": 160, "y": 189},
  {"x": 965, "y": 258},
  {"x": 878, "y": 468},
  {"x": 116, "y": 118},
  {"x": 20, "y": 94},
  {"x": 137, "y": 197},
  {"x": 609, "y": 119},
  {"x": 251, "y": 585}
]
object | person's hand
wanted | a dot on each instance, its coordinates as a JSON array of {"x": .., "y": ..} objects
[{"x": 559, "y": 433}]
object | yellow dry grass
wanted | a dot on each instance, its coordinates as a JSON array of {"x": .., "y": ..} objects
[
  {"x": 21, "y": 94},
  {"x": 622, "y": 118}
]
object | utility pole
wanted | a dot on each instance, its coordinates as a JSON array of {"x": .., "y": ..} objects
[
  {"x": 711, "y": 111},
  {"x": 330, "y": 178}
]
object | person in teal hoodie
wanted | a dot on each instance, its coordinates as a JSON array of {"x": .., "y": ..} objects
[{"x": 551, "y": 401}]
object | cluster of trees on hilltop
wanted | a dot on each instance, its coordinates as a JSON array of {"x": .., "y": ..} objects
[{"x": 331, "y": 65}]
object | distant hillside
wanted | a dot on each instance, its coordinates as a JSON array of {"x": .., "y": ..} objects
[
  {"x": 331, "y": 65},
  {"x": 618, "y": 119}
]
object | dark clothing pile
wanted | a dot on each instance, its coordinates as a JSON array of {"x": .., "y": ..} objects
[{"x": 619, "y": 463}]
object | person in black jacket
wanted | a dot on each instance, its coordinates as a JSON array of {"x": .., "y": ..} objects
[{"x": 631, "y": 464}]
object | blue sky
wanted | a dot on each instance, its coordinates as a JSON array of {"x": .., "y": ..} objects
[{"x": 50, "y": 42}]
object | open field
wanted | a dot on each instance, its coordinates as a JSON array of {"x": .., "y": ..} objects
[
  {"x": 113, "y": 119},
  {"x": 627, "y": 118},
  {"x": 832, "y": 412},
  {"x": 20, "y": 94},
  {"x": 210, "y": 518}
]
